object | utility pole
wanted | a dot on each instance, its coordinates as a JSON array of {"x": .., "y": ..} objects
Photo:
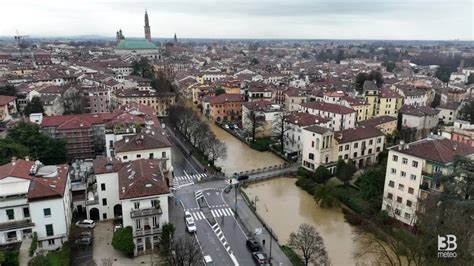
[
  {"x": 236, "y": 186},
  {"x": 271, "y": 238}
]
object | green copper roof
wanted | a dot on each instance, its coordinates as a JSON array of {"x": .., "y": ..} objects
[{"x": 131, "y": 44}]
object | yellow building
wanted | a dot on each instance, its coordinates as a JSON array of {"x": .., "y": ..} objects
[
  {"x": 389, "y": 102},
  {"x": 160, "y": 102}
]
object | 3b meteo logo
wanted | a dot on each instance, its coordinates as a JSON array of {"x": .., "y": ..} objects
[{"x": 447, "y": 246}]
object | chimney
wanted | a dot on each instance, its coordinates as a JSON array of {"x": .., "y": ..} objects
[
  {"x": 13, "y": 160},
  {"x": 27, "y": 158},
  {"x": 402, "y": 143}
]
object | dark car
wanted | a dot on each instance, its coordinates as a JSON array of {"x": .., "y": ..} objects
[
  {"x": 259, "y": 258},
  {"x": 85, "y": 241},
  {"x": 242, "y": 177},
  {"x": 253, "y": 245}
]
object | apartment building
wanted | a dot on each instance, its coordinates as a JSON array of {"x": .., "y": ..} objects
[
  {"x": 412, "y": 170},
  {"x": 137, "y": 191},
  {"x": 265, "y": 115},
  {"x": 226, "y": 107},
  {"x": 294, "y": 125},
  {"x": 34, "y": 198},
  {"x": 342, "y": 117}
]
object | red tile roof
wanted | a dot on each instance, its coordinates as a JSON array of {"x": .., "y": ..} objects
[
  {"x": 141, "y": 178},
  {"x": 305, "y": 119},
  {"x": 377, "y": 120},
  {"x": 328, "y": 107},
  {"x": 49, "y": 187},
  {"x": 6, "y": 99},
  {"x": 223, "y": 98},
  {"x": 142, "y": 141},
  {"x": 438, "y": 150},
  {"x": 358, "y": 133},
  {"x": 20, "y": 169}
]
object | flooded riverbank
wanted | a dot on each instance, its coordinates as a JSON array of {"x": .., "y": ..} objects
[
  {"x": 284, "y": 207},
  {"x": 240, "y": 157}
]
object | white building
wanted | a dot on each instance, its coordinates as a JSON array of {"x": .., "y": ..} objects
[
  {"x": 294, "y": 125},
  {"x": 137, "y": 191},
  {"x": 35, "y": 198},
  {"x": 342, "y": 117},
  {"x": 448, "y": 112},
  {"x": 420, "y": 118},
  {"x": 410, "y": 174}
]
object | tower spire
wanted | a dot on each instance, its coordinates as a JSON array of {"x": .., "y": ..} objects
[{"x": 147, "y": 27}]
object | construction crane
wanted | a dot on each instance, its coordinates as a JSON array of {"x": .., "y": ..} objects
[{"x": 19, "y": 37}]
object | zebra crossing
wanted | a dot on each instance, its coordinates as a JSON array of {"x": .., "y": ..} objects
[
  {"x": 192, "y": 177},
  {"x": 215, "y": 213}
]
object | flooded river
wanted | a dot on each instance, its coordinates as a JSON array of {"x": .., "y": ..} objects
[
  {"x": 240, "y": 157},
  {"x": 284, "y": 207}
]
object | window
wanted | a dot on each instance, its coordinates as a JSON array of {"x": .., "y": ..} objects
[
  {"x": 347, "y": 147},
  {"x": 138, "y": 224},
  {"x": 47, "y": 212},
  {"x": 311, "y": 156},
  {"x": 102, "y": 186},
  {"x": 346, "y": 156},
  {"x": 391, "y": 183},
  {"x": 407, "y": 216},
  {"x": 340, "y": 148},
  {"x": 397, "y": 212},
  {"x": 403, "y": 174},
  {"x": 356, "y": 145},
  {"x": 399, "y": 199},
  {"x": 155, "y": 222},
  {"x": 371, "y": 142},
  {"x": 155, "y": 203},
  {"x": 50, "y": 242},
  {"x": 104, "y": 202},
  {"x": 395, "y": 158},
  {"x": 436, "y": 169},
  {"x": 404, "y": 160},
  {"x": 411, "y": 190},
  {"x": 10, "y": 214},
  {"x": 125, "y": 157},
  {"x": 139, "y": 156},
  {"x": 312, "y": 144},
  {"x": 163, "y": 154},
  {"x": 26, "y": 212},
  {"x": 388, "y": 207},
  {"x": 412, "y": 177},
  {"x": 104, "y": 216},
  {"x": 414, "y": 164},
  {"x": 379, "y": 140},
  {"x": 401, "y": 187},
  {"x": 136, "y": 205},
  {"x": 394, "y": 171},
  {"x": 355, "y": 154},
  {"x": 49, "y": 230},
  {"x": 151, "y": 155},
  {"x": 409, "y": 203},
  {"x": 390, "y": 196}
]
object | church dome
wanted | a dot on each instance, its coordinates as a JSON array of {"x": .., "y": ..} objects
[{"x": 135, "y": 44}]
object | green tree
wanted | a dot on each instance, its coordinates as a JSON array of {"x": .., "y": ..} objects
[
  {"x": 443, "y": 73},
  {"x": 40, "y": 146},
  {"x": 470, "y": 79},
  {"x": 372, "y": 75},
  {"x": 467, "y": 112},
  {"x": 389, "y": 65},
  {"x": 2, "y": 257},
  {"x": 324, "y": 195},
  {"x": 345, "y": 171},
  {"x": 122, "y": 240},
  {"x": 9, "y": 149},
  {"x": 322, "y": 174},
  {"x": 143, "y": 68},
  {"x": 34, "y": 106},
  {"x": 166, "y": 240},
  {"x": 219, "y": 91},
  {"x": 371, "y": 184},
  {"x": 38, "y": 260},
  {"x": 8, "y": 90},
  {"x": 254, "y": 61}
]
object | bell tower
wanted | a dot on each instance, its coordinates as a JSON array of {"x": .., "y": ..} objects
[{"x": 147, "y": 27}]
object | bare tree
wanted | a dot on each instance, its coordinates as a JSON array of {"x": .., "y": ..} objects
[
  {"x": 253, "y": 123},
  {"x": 215, "y": 149},
  {"x": 186, "y": 252},
  {"x": 309, "y": 244},
  {"x": 279, "y": 130}
]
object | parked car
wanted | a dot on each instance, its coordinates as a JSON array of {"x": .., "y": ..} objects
[
  {"x": 253, "y": 245},
  {"x": 85, "y": 224},
  {"x": 84, "y": 241},
  {"x": 259, "y": 258},
  {"x": 226, "y": 126},
  {"x": 231, "y": 126},
  {"x": 86, "y": 234},
  {"x": 242, "y": 177},
  {"x": 117, "y": 227}
]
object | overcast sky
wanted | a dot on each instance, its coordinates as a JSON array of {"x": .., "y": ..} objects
[{"x": 301, "y": 19}]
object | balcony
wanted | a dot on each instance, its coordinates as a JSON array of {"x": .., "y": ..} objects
[
  {"x": 93, "y": 201},
  {"x": 144, "y": 232},
  {"x": 145, "y": 212},
  {"x": 16, "y": 224}
]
